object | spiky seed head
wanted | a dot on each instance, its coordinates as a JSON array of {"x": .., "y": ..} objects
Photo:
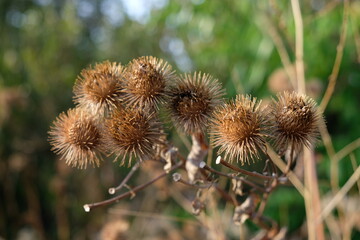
[
  {"x": 295, "y": 120},
  {"x": 193, "y": 100},
  {"x": 146, "y": 81},
  {"x": 132, "y": 133},
  {"x": 77, "y": 138},
  {"x": 239, "y": 128},
  {"x": 99, "y": 89}
]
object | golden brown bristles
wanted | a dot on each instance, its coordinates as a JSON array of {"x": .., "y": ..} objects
[
  {"x": 146, "y": 81},
  {"x": 193, "y": 100},
  {"x": 77, "y": 138},
  {"x": 132, "y": 133},
  {"x": 239, "y": 128},
  {"x": 295, "y": 118},
  {"x": 99, "y": 89}
]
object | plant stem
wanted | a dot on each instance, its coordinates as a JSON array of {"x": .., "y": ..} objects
[
  {"x": 202, "y": 186},
  {"x": 339, "y": 54},
  {"x": 282, "y": 166},
  {"x": 206, "y": 167},
  {"x": 90, "y": 206},
  {"x": 312, "y": 197},
  {"x": 226, "y": 195},
  {"x": 340, "y": 194},
  {"x": 239, "y": 170},
  {"x": 299, "y": 48},
  {"x": 199, "y": 149},
  {"x": 271, "y": 186},
  {"x": 126, "y": 179}
]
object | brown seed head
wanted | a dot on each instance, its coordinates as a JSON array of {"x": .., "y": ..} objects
[
  {"x": 77, "y": 138},
  {"x": 99, "y": 89},
  {"x": 193, "y": 100},
  {"x": 146, "y": 81},
  {"x": 295, "y": 118},
  {"x": 132, "y": 133},
  {"x": 239, "y": 128}
]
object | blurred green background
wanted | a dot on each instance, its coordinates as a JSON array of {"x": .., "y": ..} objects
[{"x": 44, "y": 44}]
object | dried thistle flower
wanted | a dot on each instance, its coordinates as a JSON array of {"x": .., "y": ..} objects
[
  {"x": 239, "y": 128},
  {"x": 132, "y": 133},
  {"x": 295, "y": 118},
  {"x": 193, "y": 100},
  {"x": 76, "y": 136},
  {"x": 146, "y": 81},
  {"x": 99, "y": 89}
]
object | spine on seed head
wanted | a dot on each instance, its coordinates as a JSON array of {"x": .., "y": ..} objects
[
  {"x": 131, "y": 132},
  {"x": 146, "y": 82},
  {"x": 295, "y": 121},
  {"x": 100, "y": 89},
  {"x": 192, "y": 101},
  {"x": 77, "y": 138},
  {"x": 239, "y": 128}
]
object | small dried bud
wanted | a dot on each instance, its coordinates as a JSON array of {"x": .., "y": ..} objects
[
  {"x": 193, "y": 101},
  {"x": 295, "y": 118},
  {"x": 246, "y": 209},
  {"x": 146, "y": 81},
  {"x": 77, "y": 138},
  {"x": 239, "y": 128},
  {"x": 197, "y": 207},
  {"x": 199, "y": 204},
  {"x": 132, "y": 133},
  {"x": 99, "y": 89},
  {"x": 238, "y": 186}
]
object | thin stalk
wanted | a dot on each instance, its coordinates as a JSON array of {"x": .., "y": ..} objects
[
  {"x": 282, "y": 166},
  {"x": 223, "y": 193},
  {"x": 126, "y": 179},
  {"x": 340, "y": 194},
  {"x": 177, "y": 178},
  {"x": 354, "y": 165},
  {"x": 273, "y": 184},
  {"x": 299, "y": 46},
  {"x": 265, "y": 223},
  {"x": 88, "y": 207},
  {"x": 239, "y": 170},
  {"x": 199, "y": 149},
  {"x": 291, "y": 160},
  {"x": 206, "y": 167},
  {"x": 267, "y": 25},
  {"x": 326, "y": 138},
  {"x": 312, "y": 199},
  {"x": 347, "y": 150},
  {"x": 226, "y": 195},
  {"x": 339, "y": 54}
]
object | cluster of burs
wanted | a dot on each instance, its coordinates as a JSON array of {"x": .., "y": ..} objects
[{"x": 121, "y": 110}]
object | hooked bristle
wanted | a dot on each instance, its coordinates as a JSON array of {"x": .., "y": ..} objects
[
  {"x": 146, "y": 81},
  {"x": 77, "y": 137},
  {"x": 193, "y": 100},
  {"x": 132, "y": 133},
  {"x": 99, "y": 89},
  {"x": 295, "y": 120},
  {"x": 239, "y": 128}
]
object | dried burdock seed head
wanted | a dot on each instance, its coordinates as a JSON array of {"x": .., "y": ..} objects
[
  {"x": 99, "y": 89},
  {"x": 239, "y": 128},
  {"x": 193, "y": 100},
  {"x": 146, "y": 81},
  {"x": 295, "y": 120},
  {"x": 77, "y": 137},
  {"x": 132, "y": 133}
]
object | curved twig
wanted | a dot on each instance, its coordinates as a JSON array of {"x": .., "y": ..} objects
[{"x": 88, "y": 207}]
